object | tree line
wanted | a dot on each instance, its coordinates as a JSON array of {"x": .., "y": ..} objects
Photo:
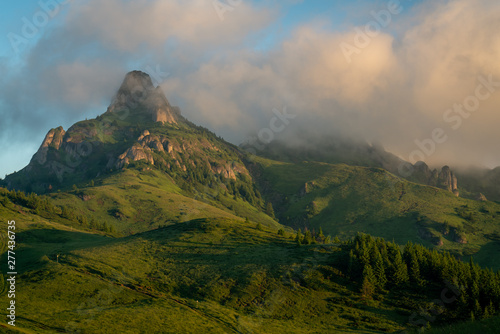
[{"x": 379, "y": 267}]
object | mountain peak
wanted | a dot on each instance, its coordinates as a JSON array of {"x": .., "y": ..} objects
[
  {"x": 137, "y": 93},
  {"x": 136, "y": 81}
]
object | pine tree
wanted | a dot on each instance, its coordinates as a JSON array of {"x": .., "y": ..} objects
[
  {"x": 270, "y": 210},
  {"x": 477, "y": 308},
  {"x": 379, "y": 272},
  {"x": 298, "y": 237},
  {"x": 307, "y": 238},
  {"x": 400, "y": 271},
  {"x": 414, "y": 269},
  {"x": 351, "y": 264},
  {"x": 321, "y": 237},
  {"x": 369, "y": 282}
]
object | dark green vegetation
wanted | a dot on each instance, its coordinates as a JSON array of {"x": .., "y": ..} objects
[
  {"x": 344, "y": 200},
  {"x": 223, "y": 275},
  {"x": 144, "y": 221},
  {"x": 488, "y": 326}
]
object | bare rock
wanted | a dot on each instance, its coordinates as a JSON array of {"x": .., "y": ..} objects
[
  {"x": 225, "y": 170},
  {"x": 447, "y": 180},
  {"x": 54, "y": 138},
  {"x": 481, "y": 198},
  {"x": 135, "y": 153},
  {"x": 137, "y": 92}
]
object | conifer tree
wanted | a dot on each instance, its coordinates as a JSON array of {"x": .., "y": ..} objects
[
  {"x": 270, "y": 210},
  {"x": 321, "y": 237},
  {"x": 379, "y": 272},
  {"x": 414, "y": 269},
  {"x": 369, "y": 282},
  {"x": 298, "y": 237},
  {"x": 350, "y": 266},
  {"x": 400, "y": 271},
  {"x": 307, "y": 238}
]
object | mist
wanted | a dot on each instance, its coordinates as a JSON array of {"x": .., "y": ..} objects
[{"x": 400, "y": 87}]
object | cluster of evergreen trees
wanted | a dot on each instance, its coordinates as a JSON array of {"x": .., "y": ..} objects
[
  {"x": 309, "y": 237},
  {"x": 379, "y": 266},
  {"x": 32, "y": 201},
  {"x": 42, "y": 206},
  {"x": 201, "y": 179}
]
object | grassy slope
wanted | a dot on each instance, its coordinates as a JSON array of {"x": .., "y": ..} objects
[
  {"x": 201, "y": 276},
  {"x": 217, "y": 275},
  {"x": 134, "y": 201},
  {"x": 349, "y": 199}
]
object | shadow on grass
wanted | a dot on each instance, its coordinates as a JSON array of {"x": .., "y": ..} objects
[{"x": 32, "y": 245}]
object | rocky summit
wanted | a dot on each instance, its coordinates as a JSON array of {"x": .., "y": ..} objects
[
  {"x": 140, "y": 125},
  {"x": 137, "y": 93}
]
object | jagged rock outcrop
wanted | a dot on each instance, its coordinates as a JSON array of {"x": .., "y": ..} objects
[
  {"x": 135, "y": 153},
  {"x": 137, "y": 92},
  {"x": 178, "y": 153},
  {"x": 54, "y": 138},
  {"x": 225, "y": 170},
  {"x": 447, "y": 180},
  {"x": 480, "y": 197}
]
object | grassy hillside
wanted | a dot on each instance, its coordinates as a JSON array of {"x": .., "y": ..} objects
[
  {"x": 139, "y": 200},
  {"x": 343, "y": 200},
  {"x": 203, "y": 275}
]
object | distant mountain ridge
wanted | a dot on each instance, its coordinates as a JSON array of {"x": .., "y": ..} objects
[{"x": 355, "y": 153}]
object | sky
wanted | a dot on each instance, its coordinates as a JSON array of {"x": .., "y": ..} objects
[{"x": 420, "y": 77}]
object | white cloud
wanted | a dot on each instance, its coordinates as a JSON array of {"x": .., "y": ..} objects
[{"x": 396, "y": 90}]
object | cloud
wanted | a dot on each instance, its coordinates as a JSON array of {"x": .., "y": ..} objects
[
  {"x": 77, "y": 63},
  {"x": 128, "y": 25},
  {"x": 395, "y": 90}
]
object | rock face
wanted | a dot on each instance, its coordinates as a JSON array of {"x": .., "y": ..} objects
[
  {"x": 54, "y": 138},
  {"x": 137, "y": 92},
  {"x": 135, "y": 153},
  {"x": 172, "y": 152},
  {"x": 445, "y": 179}
]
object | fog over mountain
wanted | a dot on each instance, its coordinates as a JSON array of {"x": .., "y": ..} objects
[{"x": 228, "y": 71}]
